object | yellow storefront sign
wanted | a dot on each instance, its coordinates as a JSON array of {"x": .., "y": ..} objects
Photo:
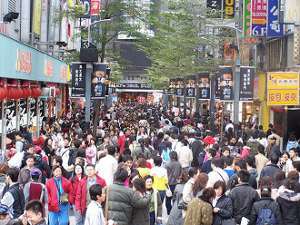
[
  {"x": 283, "y": 81},
  {"x": 283, "y": 97}
]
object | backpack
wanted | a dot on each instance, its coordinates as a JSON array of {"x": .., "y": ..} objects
[
  {"x": 265, "y": 216},
  {"x": 24, "y": 142}
]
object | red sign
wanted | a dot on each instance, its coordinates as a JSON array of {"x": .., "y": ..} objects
[
  {"x": 48, "y": 70},
  {"x": 26, "y": 62},
  {"x": 141, "y": 100},
  {"x": 63, "y": 72},
  {"x": 259, "y": 17},
  {"x": 150, "y": 98},
  {"x": 95, "y": 7}
]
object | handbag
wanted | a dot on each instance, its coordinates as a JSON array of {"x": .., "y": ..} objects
[
  {"x": 64, "y": 197},
  {"x": 168, "y": 191},
  {"x": 230, "y": 221}
]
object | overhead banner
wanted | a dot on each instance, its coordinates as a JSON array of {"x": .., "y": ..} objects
[
  {"x": 283, "y": 88},
  {"x": 204, "y": 86},
  {"x": 226, "y": 83},
  {"x": 37, "y": 16},
  {"x": 246, "y": 83},
  {"x": 99, "y": 87},
  {"x": 274, "y": 28},
  {"x": 289, "y": 12},
  {"x": 179, "y": 87},
  {"x": 190, "y": 88},
  {"x": 172, "y": 86},
  {"x": 78, "y": 80},
  {"x": 259, "y": 16}
]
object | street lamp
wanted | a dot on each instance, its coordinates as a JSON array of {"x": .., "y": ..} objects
[
  {"x": 92, "y": 24},
  {"x": 236, "y": 74}
]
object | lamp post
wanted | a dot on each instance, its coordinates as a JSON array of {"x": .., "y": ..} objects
[{"x": 237, "y": 66}]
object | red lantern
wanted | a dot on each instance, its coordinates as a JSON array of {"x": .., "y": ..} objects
[
  {"x": 19, "y": 93},
  {"x": 10, "y": 92},
  {"x": 57, "y": 91},
  {"x": 35, "y": 92},
  {"x": 2, "y": 93},
  {"x": 39, "y": 92}
]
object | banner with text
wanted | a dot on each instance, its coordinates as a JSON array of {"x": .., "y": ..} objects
[
  {"x": 78, "y": 80},
  {"x": 246, "y": 83},
  {"x": 204, "y": 86},
  {"x": 190, "y": 88},
  {"x": 179, "y": 87},
  {"x": 226, "y": 83},
  {"x": 99, "y": 81}
]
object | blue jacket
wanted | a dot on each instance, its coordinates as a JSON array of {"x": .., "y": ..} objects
[
  {"x": 291, "y": 144},
  {"x": 206, "y": 167}
]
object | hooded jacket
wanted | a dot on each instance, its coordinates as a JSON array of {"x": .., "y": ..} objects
[
  {"x": 291, "y": 144},
  {"x": 289, "y": 204},
  {"x": 160, "y": 177}
]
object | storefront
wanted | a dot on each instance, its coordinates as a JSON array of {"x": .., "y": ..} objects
[{"x": 33, "y": 86}]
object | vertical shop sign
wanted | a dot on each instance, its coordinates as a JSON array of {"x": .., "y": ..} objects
[
  {"x": 218, "y": 89},
  {"x": 274, "y": 28},
  {"x": 78, "y": 80},
  {"x": 172, "y": 86},
  {"x": 214, "y": 5},
  {"x": 246, "y": 83},
  {"x": 204, "y": 86},
  {"x": 229, "y": 8},
  {"x": 179, "y": 87},
  {"x": 259, "y": 16},
  {"x": 190, "y": 88},
  {"x": 99, "y": 81},
  {"x": 42, "y": 112},
  {"x": 37, "y": 16},
  {"x": 32, "y": 113},
  {"x": 289, "y": 12},
  {"x": 226, "y": 83},
  {"x": 247, "y": 18},
  {"x": 95, "y": 7},
  {"x": 23, "y": 112},
  {"x": 11, "y": 117}
]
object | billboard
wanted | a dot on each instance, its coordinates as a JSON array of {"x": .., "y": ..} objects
[
  {"x": 172, "y": 86},
  {"x": 179, "y": 87},
  {"x": 274, "y": 28},
  {"x": 226, "y": 83},
  {"x": 259, "y": 17},
  {"x": 289, "y": 11},
  {"x": 246, "y": 83},
  {"x": 37, "y": 16},
  {"x": 283, "y": 88},
  {"x": 99, "y": 78},
  {"x": 204, "y": 86},
  {"x": 190, "y": 88},
  {"x": 78, "y": 80},
  {"x": 228, "y": 8}
]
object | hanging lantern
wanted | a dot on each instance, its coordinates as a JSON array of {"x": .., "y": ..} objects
[
  {"x": 35, "y": 92},
  {"x": 19, "y": 93},
  {"x": 57, "y": 91},
  {"x": 2, "y": 94},
  {"x": 10, "y": 92}
]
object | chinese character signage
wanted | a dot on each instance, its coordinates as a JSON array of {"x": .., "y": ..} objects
[
  {"x": 226, "y": 83},
  {"x": 283, "y": 88},
  {"x": 48, "y": 69},
  {"x": 11, "y": 117},
  {"x": 179, "y": 86},
  {"x": 25, "y": 62},
  {"x": 64, "y": 72},
  {"x": 218, "y": 88},
  {"x": 99, "y": 81},
  {"x": 204, "y": 86},
  {"x": 190, "y": 88},
  {"x": 274, "y": 28},
  {"x": 214, "y": 5},
  {"x": 95, "y": 7},
  {"x": 289, "y": 12},
  {"x": 141, "y": 100},
  {"x": 259, "y": 18},
  {"x": 78, "y": 80},
  {"x": 172, "y": 86},
  {"x": 32, "y": 113},
  {"x": 246, "y": 83}
]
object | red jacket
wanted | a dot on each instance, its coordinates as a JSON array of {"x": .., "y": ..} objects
[
  {"x": 81, "y": 193},
  {"x": 121, "y": 142},
  {"x": 74, "y": 186},
  {"x": 53, "y": 205},
  {"x": 40, "y": 141}
]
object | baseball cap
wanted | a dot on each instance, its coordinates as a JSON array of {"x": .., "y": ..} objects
[
  {"x": 35, "y": 171},
  {"x": 37, "y": 148}
]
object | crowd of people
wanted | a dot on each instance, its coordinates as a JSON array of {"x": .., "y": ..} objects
[{"x": 143, "y": 157}]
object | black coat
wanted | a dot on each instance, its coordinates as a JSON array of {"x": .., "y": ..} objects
[
  {"x": 289, "y": 204},
  {"x": 225, "y": 205},
  {"x": 196, "y": 148},
  {"x": 269, "y": 203},
  {"x": 252, "y": 181},
  {"x": 275, "y": 149},
  {"x": 243, "y": 196}
]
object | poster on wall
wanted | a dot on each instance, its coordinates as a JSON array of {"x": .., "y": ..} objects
[
  {"x": 204, "y": 86},
  {"x": 246, "y": 83},
  {"x": 78, "y": 80},
  {"x": 11, "y": 117},
  {"x": 226, "y": 83},
  {"x": 190, "y": 88},
  {"x": 99, "y": 78},
  {"x": 23, "y": 112}
]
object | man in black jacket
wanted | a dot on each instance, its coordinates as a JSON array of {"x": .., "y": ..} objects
[
  {"x": 243, "y": 196},
  {"x": 196, "y": 148},
  {"x": 270, "y": 169}
]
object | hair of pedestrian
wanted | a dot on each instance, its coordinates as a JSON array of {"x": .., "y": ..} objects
[
  {"x": 55, "y": 167},
  {"x": 58, "y": 159},
  {"x": 193, "y": 171},
  {"x": 3, "y": 168},
  {"x": 121, "y": 175},
  {"x": 218, "y": 184},
  {"x": 126, "y": 151},
  {"x": 173, "y": 155},
  {"x": 142, "y": 163},
  {"x": 296, "y": 165},
  {"x": 28, "y": 146},
  {"x": 160, "y": 135},
  {"x": 212, "y": 152},
  {"x": 127, "y": 158},
  {"x": 294, "y": 150},
  {"x": 290, "y": 184},
  {"x": 81, "y": 153},
  {"x": 207, "y": 194},
  {"x": 274, "y": 158},
  {"x": 154, "y": 153},
  {"x": 265, "y": 181},
  {"x": 157, "y": 161},
  {"x": 13, "y": 173},
  {"x": 228, "y": 160},
  {"x": 111, "y": 150},
  {"x": 169, "y": 144},
  {"x": 185, "y": 142},
  {"x": 250, "y": 160},
  {"x": 294, "y": 175},
  {"x": 279, "y": 177},
  {"x": 77, "y": 144},
  {"x": 218, "y": 162},
  {"x": 239, "y": 144},
  {"x": 35, "y": 206},
  {"x": 140, "y": 185},
  {"x": 244, "y": 175},
  {"x": 261, "y": 149},
  {"x": 241, "y": 163},
  {"x": 200, "y": 183},
  {"x": 30, "y": 157},
  {"x": 273, "y": 131},
  {"x": 74, "y": 174},
  {"x": 90, "y": 165},
  {"x": 225, "y": 149},
  {"x": 265, "y": 191},
  {"x": 95, "y": 189},
  {"x": 216, "y": 146},
  {"x": 149, "y": 177}
]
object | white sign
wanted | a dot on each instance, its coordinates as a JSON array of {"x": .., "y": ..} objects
[{"x": 290, "y": 11}]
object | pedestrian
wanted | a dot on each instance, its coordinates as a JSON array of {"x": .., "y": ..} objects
[
  {"x": 94, "y": 212},
  {"x": 34, "y": 213},
  {"x": 60, "y": 199},
  {"x": 185, "y": 155},
  {"x": 199, "y": 184},
  {"x": 200, "y": 210},
  {"x": 217, "y": 172},
  {"x": 24, "y": 175},
  {"x": 272, "y": 168}
]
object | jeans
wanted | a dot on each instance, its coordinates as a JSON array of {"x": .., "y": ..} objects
[
  {"x": 169, "y": 199},
  {"x": 162, "y": 195},
  {"x": 59, "y": 218},
  {"x": 152, "y": 218},
  {"x": 78, "y": 217}
]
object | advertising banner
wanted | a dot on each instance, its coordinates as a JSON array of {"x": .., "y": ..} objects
[
  {"x": 259, "y": 16},
  {"x": 23, "y": 112},
  {"x": 95, "y": 7},
  {"x": 289, "y": 12},
  {"x": 190, "y": 88},
  {"x": 150, "y": 98},
  {"x": 37, "y": 16},
  {"x": 172, "y": 86},
  {"x": 11, "y": 117},
  {"x": 78, "y": 80},
  {"x": 214, "y": 5},
  {"x": 204, "y": 86},
  {"x": 99, "y": 87},
  {"x": 283, "y": 88},
  {"x": 218, "y": 88},
  {"x": 228, "y": 8},
  {"x": 246, "y": 83},
  {"x": 141, "y": 100},
  {"x": 32, "y": 113},
  {"x": 247, "y": 18},
  {"x": 226, "y": 83},
  {"x": 179, "y": 87},
  {"x": 274, "y": 28}
]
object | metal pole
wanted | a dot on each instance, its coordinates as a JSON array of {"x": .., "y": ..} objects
[
  {"x": 89, "y": 70},
  {"x": 197, "y": 95},
  {"x": 236, "y": 92},
  {"x": 212, "y": 103},
  {"x": 184, "y": 98}
]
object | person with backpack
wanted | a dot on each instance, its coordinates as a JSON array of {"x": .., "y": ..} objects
[
  {"x": 20, "y": 143},
  {"x": 24, "y": 175},
  {"x": 265, "y": 210}
]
